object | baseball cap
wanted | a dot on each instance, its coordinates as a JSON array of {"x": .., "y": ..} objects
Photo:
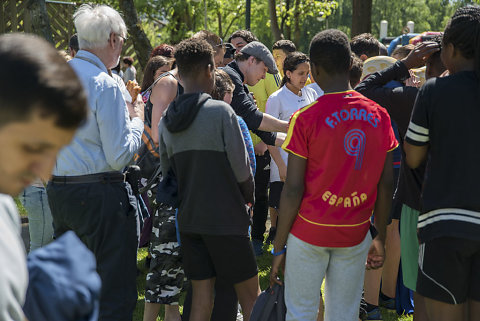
[{"x": 260, "y": 51}]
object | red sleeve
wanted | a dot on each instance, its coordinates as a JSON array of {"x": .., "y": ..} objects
[{"x": 296, "y": 141}]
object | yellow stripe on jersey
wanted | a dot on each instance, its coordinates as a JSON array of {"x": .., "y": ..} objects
[{"x": 292, "y": 124}]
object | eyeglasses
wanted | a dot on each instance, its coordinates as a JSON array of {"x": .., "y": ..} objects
[
  {"x": 220, "y": 44},
  {"x": 124, "y": 38}
]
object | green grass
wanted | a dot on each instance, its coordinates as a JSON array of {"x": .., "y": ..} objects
[{"x": 263, "y": 262}]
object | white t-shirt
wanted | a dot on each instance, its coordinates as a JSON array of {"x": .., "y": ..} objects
[
  {"x": 282, "y": 104},
  {"x": 316, "y": 87},
  {"x": 13, "y": 265}
]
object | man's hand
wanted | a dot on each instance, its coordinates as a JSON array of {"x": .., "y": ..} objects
[
  {"x": 260, "y": 149},
  {"x": 376, "y": 255},
  {"x": 416, "y": 58},
  {"x": 278, "y": 263},
  {"x": 137, "y": 108}
]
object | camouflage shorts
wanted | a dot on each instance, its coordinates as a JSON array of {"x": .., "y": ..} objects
[{"x": 166, "y": 277}]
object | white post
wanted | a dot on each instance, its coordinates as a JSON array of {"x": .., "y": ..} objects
[
  {"x": 411, "y": 26},
  {"x": 383, "y": 29}
]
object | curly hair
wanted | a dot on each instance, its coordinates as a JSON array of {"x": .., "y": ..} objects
[
  {"x": 163, "y": 50},
  {"x": 330, "y": 50},
  {"x": 192, "y": 56},
  {"x": 365, "y": 44},
  {"x": 246, "y": 35},
  {"x": 223, "y": 84},
  {"x": 286, "y": 45}
]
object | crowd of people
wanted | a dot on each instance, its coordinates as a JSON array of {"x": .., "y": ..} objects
[{"x": 361, "y": 160}]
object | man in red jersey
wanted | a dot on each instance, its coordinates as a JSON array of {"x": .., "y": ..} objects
[{"x": 339, "y": 171}]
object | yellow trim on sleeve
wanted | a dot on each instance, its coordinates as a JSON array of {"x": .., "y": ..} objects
[
  {"x": 332, "y": 225},
  {"x": 288, "y": 150},
  {"x": 393, "y": 147},
  {"x": 339, "y": 92},
  {"x": 292, "y": 124}
]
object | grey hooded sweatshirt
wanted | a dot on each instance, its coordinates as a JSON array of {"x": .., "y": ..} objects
[{"x": 200, "y": 139}]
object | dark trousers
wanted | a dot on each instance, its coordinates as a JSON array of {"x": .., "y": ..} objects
[
  {"x": 260, "y": 209},
  {"x": 103, "y": 215}
]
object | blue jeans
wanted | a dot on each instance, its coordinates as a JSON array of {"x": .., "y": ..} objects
[{"x": 40, "y": 226}]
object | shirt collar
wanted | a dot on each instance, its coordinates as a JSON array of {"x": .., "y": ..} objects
[{"x": 90, "y": 56}]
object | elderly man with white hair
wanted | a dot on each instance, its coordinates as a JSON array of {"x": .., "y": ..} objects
[{"x": 88, "y": 193}]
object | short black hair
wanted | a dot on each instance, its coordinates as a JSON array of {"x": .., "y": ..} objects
[
  {"x": 356, "y": 71},
  {"x": 286, "y": 45},
  {"x": 330, "y": 50},
  {"x": 246, "y": 35},
  {"x": 128, "y": 60},
  {"x": 192, "y": 56},
  {"x": 365, "y": 44},
  {"x": 39, "y": 80}
]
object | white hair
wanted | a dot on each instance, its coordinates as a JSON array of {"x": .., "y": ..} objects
[{"x": 94, "y": 25}]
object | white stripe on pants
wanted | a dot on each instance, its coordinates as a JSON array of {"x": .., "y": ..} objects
[{"x": 343, "y": 269}]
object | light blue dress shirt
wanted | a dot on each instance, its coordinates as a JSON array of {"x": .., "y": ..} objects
[{"x": 109, "y": 139}]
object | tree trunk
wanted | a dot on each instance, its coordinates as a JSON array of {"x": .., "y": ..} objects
[
  {"x": 272, "y": 8},
  {"x": 361, "y": 16},
  {"x": 37, "y": 9},
  {"x": 220, "y": 29},
  {"x": 142, "y": 45},
  {"x": 296, "y": 23}
]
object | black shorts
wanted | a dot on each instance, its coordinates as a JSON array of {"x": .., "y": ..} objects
[
  {"x": 229, "y": 257},
  {"x": 275, "y": 193},
  {"x": 449, "y": 270}
]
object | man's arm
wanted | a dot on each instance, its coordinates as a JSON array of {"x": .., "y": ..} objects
[
  {"x": 238, "y": 156},
  {"x": 415, "y": 155},
  {"x": 383, "y": 203},
  {"x": 272, "y": 124},
  {"x": 289, "y": 204},
  {"x": 277, "y": 158},
  {"x": 120, "y": 136}
]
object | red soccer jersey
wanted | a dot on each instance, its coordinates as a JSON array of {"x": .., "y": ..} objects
[{"x": 345, "y": 138}]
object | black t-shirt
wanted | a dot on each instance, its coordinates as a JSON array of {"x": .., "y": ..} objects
[
  {"x": 446, "y": 118},
  {"x": 399, "y": 103}
]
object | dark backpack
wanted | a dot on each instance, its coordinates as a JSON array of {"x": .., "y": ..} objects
[{"x": 270, "y": 305}]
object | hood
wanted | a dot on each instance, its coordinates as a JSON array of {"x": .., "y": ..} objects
[{"x": 183, "y": 110}]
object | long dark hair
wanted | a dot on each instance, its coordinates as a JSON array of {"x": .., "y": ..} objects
[
  {"x": 291, "y": 62},
  {"x": 153, "y": 65},
  {"x": 463, "y": 32}
]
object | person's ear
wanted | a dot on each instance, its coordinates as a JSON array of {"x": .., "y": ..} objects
[
  {"x": 112, "y": 40},
  {"x": 288, "y": 73},
  {"x": 210, "y": 71},
  {"x": 351, "y": 63}
]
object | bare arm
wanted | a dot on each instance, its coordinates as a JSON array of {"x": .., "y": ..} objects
[
  {"x": 277, "y": 158},
  {"x": 271, "y": 124},
  {"x": 163, "y": 93},
  {"x": 416, "y": 155},
  {"x": 376, "y": 254}
]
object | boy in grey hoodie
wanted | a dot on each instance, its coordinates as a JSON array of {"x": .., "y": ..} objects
[{"x": 201, "y": 141}]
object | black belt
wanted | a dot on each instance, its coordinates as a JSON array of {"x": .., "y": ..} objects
[{"x": 91, "y": 178}]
